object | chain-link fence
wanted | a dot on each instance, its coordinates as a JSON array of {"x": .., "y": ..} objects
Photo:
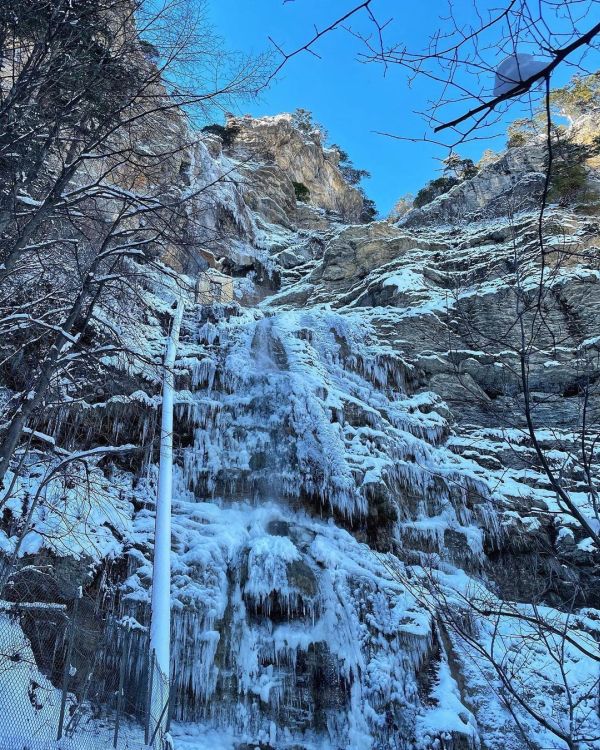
[
  {"x": 158, "y": 706},
  {"x": 70, "y": 677}
]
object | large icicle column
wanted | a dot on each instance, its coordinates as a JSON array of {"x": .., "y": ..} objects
[{"x": 160, "y": 622}]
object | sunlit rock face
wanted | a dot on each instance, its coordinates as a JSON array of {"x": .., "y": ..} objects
[
  {"x": 278, "y": 154},
  {"x": 348, "y": 426},
  {"x": 242, "y": 181},
  {"x": 513, "y": 183}
]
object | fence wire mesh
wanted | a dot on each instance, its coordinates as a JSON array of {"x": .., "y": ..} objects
[
  {"x": 70, "y": 677},
  {"x": 158, "y": 698}
]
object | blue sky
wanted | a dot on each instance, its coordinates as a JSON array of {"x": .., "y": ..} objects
[{"x": 351, "y": 99}]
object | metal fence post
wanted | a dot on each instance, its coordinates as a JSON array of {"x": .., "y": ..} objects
[
  {"x": 121, "y": 684},
  {"x": 149, "y": 696},
  {"x": 171, "y": 706},
  {"x": 67, "y": 667},
  {"x": 158, "y": 723}
]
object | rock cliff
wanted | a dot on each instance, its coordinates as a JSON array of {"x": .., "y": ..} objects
[
  {"x": 347, "y": 431},
  {"x": 275, "y": 154}
]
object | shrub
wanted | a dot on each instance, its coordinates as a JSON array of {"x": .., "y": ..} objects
[
  {"x": 461, "y": 169},
  {"x": 369, "y": 209},
  {"x": 568, "y": 178},
  {"x": 302, "y": 192},
  {"x": 579, "y": 96},
  {"x": 516, "y": 139},
  {"x": 350, "y": 173},
  {"x": 303, "y": 120},
  {"x": 567, "y": 181},
  {"x": 402, "y": 206},
  {"x": 342, "y": 155},
  {"x": 522, "y": 131},
  {"x": 434, "y": 189},
  {"x": 488, "y": 157},
  {"x": 468, "y": 169}
]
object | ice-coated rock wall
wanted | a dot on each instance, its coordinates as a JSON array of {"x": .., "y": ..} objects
[
  {"x": 297, "y": 431},
  {"x": 347, "y": 440},
  {"x": 343, "y": 436}
]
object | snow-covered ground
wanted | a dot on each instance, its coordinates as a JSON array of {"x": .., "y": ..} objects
[{"x": 30, "y": 705}]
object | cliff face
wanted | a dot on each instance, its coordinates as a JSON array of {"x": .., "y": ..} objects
[
  {"x": 347, "y": 433},
  {"x": 277, "y": 155},
  {"x": 379, "y": 386}
]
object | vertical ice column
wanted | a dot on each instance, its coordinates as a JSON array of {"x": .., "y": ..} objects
[{"x": 160, "y": 622}]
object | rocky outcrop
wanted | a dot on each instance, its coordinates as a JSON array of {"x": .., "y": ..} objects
[
  {"x": 274, "y": 154},
  {"x": 243, "y": 176},
  {"x": 512, "y": 183},
  {"x": 509, "y": 185},
  {"x": 379, "y": 387}
]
